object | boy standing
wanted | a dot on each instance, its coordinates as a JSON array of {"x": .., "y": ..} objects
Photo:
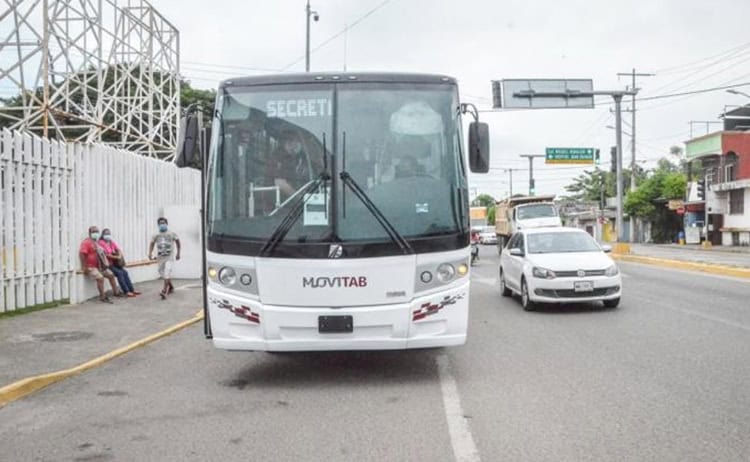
[{"x": 165, "y": 242}]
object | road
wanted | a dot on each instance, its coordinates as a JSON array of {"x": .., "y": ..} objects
[{"x": 665, "y": 377}]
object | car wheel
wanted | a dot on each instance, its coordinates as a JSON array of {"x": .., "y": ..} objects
[
  {"x": 612, "y": 303},
  {"x": 526, "y": 302},
  {"x": 504, "y": 290}
]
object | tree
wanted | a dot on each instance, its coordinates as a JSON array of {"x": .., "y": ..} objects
[
  {"x": 204, "y": 98},
  {"x": 483, "y": 200},
  {"x": 491, "y": 216},
  {"x": 648, "y": 201}
]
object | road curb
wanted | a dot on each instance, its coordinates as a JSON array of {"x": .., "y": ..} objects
[
  {"x": 29, "y": 385},
  {"x": 721, "y": 270}
]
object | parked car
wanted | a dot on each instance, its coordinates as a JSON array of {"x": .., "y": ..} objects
[
  {"x": 487, "y": 236},
  {"x": 558, "y": 265}
]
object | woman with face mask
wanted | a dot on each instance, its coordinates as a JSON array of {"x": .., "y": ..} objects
[
  {"x": 95, "y": 265},
  {"x": 117, "y": 263}
]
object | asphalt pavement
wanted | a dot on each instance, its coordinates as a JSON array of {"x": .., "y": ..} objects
[{"x": 664, "y": 377}]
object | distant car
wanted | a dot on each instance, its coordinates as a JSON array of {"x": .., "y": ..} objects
[
  {"x": 558, "y": 265},
  {"x": 488, "y": 236}
]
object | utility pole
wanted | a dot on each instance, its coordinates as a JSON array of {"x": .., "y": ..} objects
[
  {"x": 315, "y": 16},
  {"x": 532, "y": 189},
  {"x": 633, "y": 87},
  {"x": 618, "y": 131},
  {"x": 510, "y": 172}
]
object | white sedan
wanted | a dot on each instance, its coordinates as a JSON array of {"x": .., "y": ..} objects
[{"x": 558, "y": 265}]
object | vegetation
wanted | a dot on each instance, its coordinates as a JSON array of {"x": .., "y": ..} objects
[
  {"x": 648, "y": 201},
  {"x": 485, "y": 200}
]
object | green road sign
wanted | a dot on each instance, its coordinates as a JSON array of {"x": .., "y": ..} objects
[{"x": 570, "y": 155}]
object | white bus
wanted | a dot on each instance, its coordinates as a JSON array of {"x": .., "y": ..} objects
[{"x": 337, "y": 213}]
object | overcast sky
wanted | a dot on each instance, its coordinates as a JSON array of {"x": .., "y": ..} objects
[{"x": 689, "y": 44}]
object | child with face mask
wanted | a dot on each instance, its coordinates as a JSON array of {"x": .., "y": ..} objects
[
  {"x": 95, "y": 265},
  {"x": 116, "y": 265},
  {"x": 165, "y": 242}
]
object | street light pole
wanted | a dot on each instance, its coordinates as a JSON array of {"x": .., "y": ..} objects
[{"x": 315, "y": 16}]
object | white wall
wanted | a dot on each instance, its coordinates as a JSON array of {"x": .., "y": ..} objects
[
  {"x": 738, "y": 221},
  {"x": 52, "y": 192}
]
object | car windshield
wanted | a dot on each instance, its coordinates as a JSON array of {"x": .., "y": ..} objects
[
  {"x": 527, "y": 212},
  {"x": 561, "y": 243}
]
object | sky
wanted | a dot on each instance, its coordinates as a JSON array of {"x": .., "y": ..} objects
[{"x": 689, "y": 45}]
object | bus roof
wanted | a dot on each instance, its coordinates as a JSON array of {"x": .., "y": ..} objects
[{"x": 339, "y": 77}]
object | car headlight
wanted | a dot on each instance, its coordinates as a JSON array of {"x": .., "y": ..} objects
[
  {"x": 227, "y": 276},
  {"x": 446, "y": 272},
  {"x": 611, "y": 271},
  {"x": 543, "y": 273}
]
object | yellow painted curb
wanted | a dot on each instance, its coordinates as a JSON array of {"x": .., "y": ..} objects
[
  {"x": 24, "y": 387},
  {"x": 686, "y": 265}
]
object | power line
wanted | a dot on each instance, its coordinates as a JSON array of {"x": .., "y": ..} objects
[
  {"x": 668, "y": 70},
  {"x": 340, "y": 33},
  {"x": 227, "y": 66}
]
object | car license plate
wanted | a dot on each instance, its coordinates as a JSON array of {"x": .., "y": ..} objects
[
  {"x": 335, "y": 324},
  {"x": 583, "y": 286}
]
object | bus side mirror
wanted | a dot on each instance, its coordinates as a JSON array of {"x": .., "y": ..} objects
[
  {"x": 479, "y": 147},
  {"x": 188, "y": 152}
]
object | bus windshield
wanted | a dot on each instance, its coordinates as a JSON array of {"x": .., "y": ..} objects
[{"x": 400, "y": 143}]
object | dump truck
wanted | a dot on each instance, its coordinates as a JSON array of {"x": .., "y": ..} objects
[{"x": 522, "y": 212}]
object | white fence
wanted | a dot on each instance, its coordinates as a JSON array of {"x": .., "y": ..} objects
[{"x": 50, "y": 193}]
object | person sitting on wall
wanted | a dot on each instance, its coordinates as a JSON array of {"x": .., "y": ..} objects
[
  {"x": 94, "y": 264},
  {"x": 117, "y": 263}
]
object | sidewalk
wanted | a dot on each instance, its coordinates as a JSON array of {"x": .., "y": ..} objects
[
  {"x": 63, "y": 337},
  {"x": 738, "y": 257}
]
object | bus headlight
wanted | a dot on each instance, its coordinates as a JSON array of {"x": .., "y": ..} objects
[
  {"x": 246, "y": 279},
  {"x": 212, "y": 273},
  {"x": 463, "y": 269},
  {"x": 227, "y": 276},
  {"x": 446, "y": 272}
]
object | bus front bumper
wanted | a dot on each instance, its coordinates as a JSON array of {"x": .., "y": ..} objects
[{"x": 435, "y": 320}]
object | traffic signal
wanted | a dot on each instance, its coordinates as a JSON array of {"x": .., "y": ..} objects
[
  {"x": 613, "y": 160},
  {"x": 702, "y": 189},
  {"x": 532, "y": 187},
  {"x": 597, "y": 159}
]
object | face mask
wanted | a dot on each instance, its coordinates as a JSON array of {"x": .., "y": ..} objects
[
  {"x": 95, "y": 236},
  {"x": 162, "y": 227},
  {"x": 107, "y": 237}
]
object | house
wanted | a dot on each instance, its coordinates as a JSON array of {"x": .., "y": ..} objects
[{"x": 724, "y": 158}]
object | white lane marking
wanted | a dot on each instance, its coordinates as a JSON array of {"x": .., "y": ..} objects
[{"x": 464, "y": 449}]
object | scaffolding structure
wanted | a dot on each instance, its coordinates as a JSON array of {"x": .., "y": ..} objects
[{"x": 104, "y": 71}]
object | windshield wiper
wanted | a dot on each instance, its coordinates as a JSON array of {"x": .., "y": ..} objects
[
  {"x": 395, "y": 236},
  {"x": 291, "y": 217},
  {"x": 297, "y": 207}
]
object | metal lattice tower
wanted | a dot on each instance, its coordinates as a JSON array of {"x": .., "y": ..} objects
[{"x": 103, "y": 71}]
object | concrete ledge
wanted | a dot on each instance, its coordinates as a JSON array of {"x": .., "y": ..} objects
[
  {"x": 27, "y": 386},
  {"x": 721, "y": 270}
]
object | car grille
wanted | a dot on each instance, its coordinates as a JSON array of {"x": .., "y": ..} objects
[
  {"x": 570, "y": 293},
  {"x": 574, "y": 274}
]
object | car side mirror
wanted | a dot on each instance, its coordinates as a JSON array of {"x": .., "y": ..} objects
[
  {"x": 516, "y": 252},
  {"x": 479, "y": 147},
  {"x": 606, "y": 248}
]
